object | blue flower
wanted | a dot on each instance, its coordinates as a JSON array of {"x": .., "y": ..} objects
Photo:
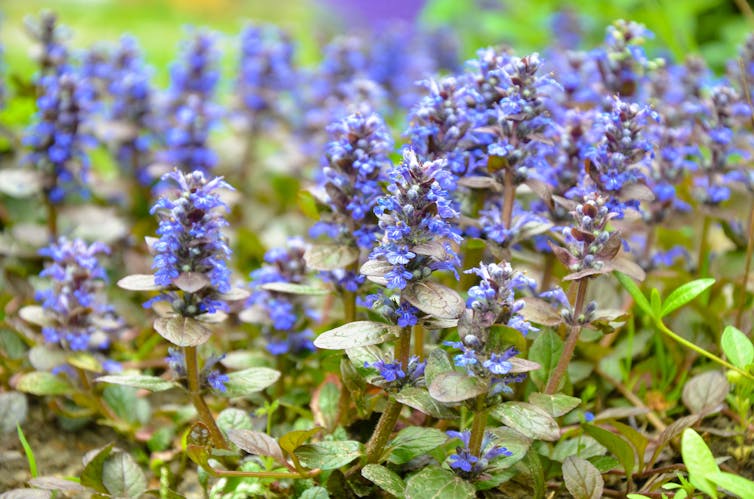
[
  {"x": 217, "y": 380},
  {"x": 74, "y": 301},
  {"x": 390, "y": 371},
  {"x": 191, "y": 239},
  {"x": 469, "y": 466}
]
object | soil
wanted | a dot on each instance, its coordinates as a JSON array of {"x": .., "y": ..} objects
[{"x": 58, "y": 452}]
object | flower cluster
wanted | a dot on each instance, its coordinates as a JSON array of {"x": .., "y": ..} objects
[
  {"x": 491, "y": 302},
  {"x": 131, "y": 109},
  {"x": 191, "y": 113},
  {"x": 80, "y": 317},
  {"x": 623, "y": 153},
  {"x": 265, "y": 71},
  {"x": 353, "y": 166},
  {"x": 58, "y": 139},
  {"x": 467, "y": 465},
  {"x": 394, "y": 375},
  {"x": 53, "y": 54},
  {"x": 191, "y": 255},
  {"x": 415, "y": 219},
  {"x": 282, "y": 315}
]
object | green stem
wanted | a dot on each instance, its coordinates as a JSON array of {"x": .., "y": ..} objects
[
  {"x": 205, "y": 415},
  {"x": 418, "y": 342},
  {"x": 509, "y": 196},
  {"x": 389, "y": 418},
  {"x": 52, "y": 219},
  {"x": 570, "y": 346},
  {"x": 703, "y": 255},
  {"x": 478, "y": 425},
  {"x": 262, "y": 474},
  {"x": 664, "y": 329},
  {"x": 747, "y": 268}
]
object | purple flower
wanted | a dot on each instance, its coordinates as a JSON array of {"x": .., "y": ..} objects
[
  {"x": 469, "y": 466},
  {"x": 217, "y": 380},
  {"x": 191, "y": 241}
]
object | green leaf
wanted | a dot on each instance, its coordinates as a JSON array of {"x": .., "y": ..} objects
[
  {"x": 197, "y": 444},
  {"x": 737, "y": 347},
  {"x": 582, "y": 479},
  {"x": 705, "y": 392},
  {"x": 546, "y": 350},
  {"x": 30, "y": 458},
  {"x": 326, "y": 257},
  {"x": 684, "y": 294},
  {"x": 151, "y": 383},
  {"x": 122, "y": 477},
  {"x": 635, "y": 438},
  {"x": 328, "y": 455},
  {"x": 385, "y": 479},
  {"x": 85, "y": 361},
  {"x": 456, "y": 387},
  {"x": 325, "y": 405},
  {"x": 295, "y": 289},
  {"x": 293, "y": 439},
  {"x": 356, "y": 334},
  {"x": 655, "y": 302},
  {"x": 434, "y": 299},
  {"x": 699, "y": 461},
  {"x": 234, "y": 419},
  {"x": 419, "y": 399},
  {"x": 533, "y": 464},
  {"x": 437, "y": 483},
  {"x": 182, "y": 331},
  {"x": 139, "y": 282},
  {"x": 258, "y": 444},
  {"x": 13, "y": 410},
  {"x": 616, "y": 444},
  {"x": 123, "y": 401},
  {"x": 414, "y": 441},
  {"x": 43, "y": 383},
  {"x": 528, "y": 419},
  {"x": 516, "y": 443},
  {"x": 555, "y": 405},
  {"x": 734, "y": 484},
  {"x": 251, "y": 380},
  {"x": 315, "y": 493},
  {"x": 630, "y": 286},
  {"x": 91, "y": 476},
  {"x": 437, "y": 363}
]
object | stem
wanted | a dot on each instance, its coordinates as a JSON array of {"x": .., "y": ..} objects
[
  {"x": 389, "y": 418},
  {"x": 52, "y": 219},
  {"x": 509, "y": 195},
  {"x": 747, "y": 268},
  {"x": 570, "y": 345},
  {"x": 701, "y": 351},
  {"x": 548, "y": 267},
  {"x": 703, "y": 248},
  {"x": 192, "y": 372},
  {"x": 418, "y": 341},
  {"x": 102, "y": 408},
  {"x": 262, "y": 474},
  {"x": 477, "y": 426}
]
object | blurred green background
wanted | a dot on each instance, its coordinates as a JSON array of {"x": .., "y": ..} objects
[{"x": 713, "y": 28}]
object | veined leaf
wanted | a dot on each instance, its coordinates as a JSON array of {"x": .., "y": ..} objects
[{"x": 684, "y": 294}]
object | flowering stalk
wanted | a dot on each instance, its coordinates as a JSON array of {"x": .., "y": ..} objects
[{"x": 570, "y": 345}]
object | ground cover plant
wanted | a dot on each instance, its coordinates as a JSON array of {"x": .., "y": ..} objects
[{"x": 389, "y": 273}]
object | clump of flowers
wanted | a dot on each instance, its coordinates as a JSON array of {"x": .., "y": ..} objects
[
  {"x": 191, "y": 113},
  {"x": 80, "y": 318},
  {"x": 468, "y": 466},
  {"x": 53, "y": 54},
  {"x": 415, "y": 219},
  {"x": 58, "y": 140},
  {"x": 393, "y": 375},
  {"x": 191, "y": 255},
  {"x": 283, "y": 315}
]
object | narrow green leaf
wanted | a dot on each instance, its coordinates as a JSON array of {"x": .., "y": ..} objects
[
  {"x": 28, "y": 451},
  {"x": 737, "y": 347},
  {"x": 684, "y": 294},
  {"x": 655, "y": 302},
  {"x": 630, "y": 286},
  {"x": 616, "y": 444},
  {"x": 699, "y": 461}
]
